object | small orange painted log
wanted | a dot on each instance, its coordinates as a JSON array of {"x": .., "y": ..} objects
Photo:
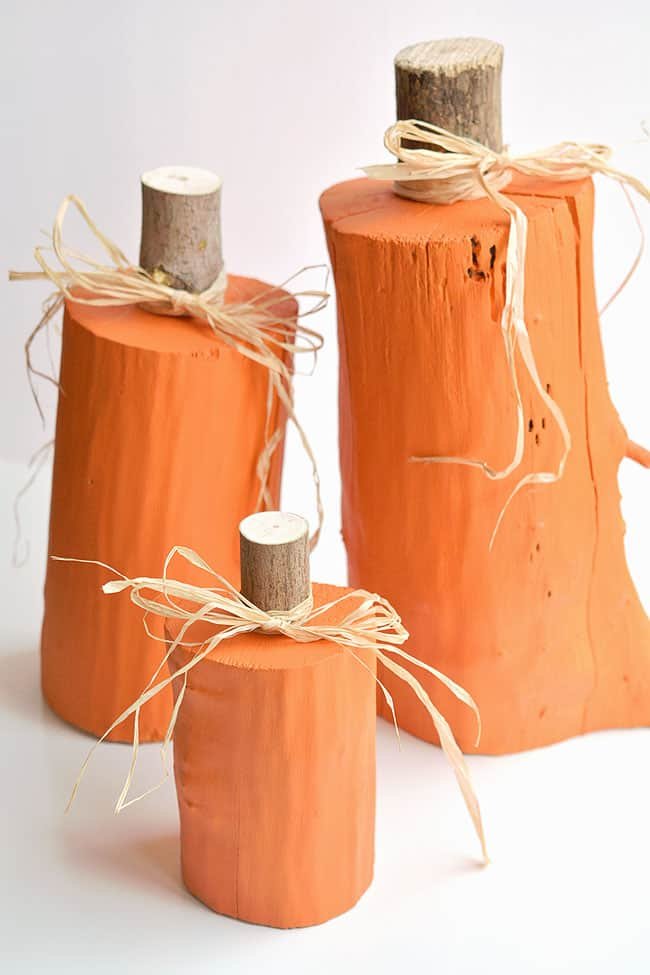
[
  {"x": 274, "y": 760},
  {"x": 159, "y": 429},
  {"x": 546, "y": 631}
]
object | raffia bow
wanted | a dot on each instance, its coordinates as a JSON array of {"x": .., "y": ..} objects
[
  {"x": 251, "y": 327},
  {"x": 371, "y": 624},
  {"x": 450, "y": 168}
]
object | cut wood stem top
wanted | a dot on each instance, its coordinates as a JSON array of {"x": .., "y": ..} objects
[
  {"x": 454, "y": 83},
  {"x": 181, "y": 227},
  {"x": 274, "y": 548}
]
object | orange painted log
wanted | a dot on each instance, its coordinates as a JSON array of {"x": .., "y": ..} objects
[
  {"x": 274, "y": 760},
  {"x": 546, "y": 631},
  {"x": 159, "y": 429}
]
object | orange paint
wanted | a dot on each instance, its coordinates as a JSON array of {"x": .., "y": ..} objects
[
  {"x": 546, "y": 631},
  {"x": 159, "y": 429},
  {"x": 274, "y": 760}
]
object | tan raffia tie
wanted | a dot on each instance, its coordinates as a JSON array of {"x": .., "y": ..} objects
[
  {"x": 452, "y": 168},
  {"x": 372, "y": 624},
  {"x": 250, "y": 327}
]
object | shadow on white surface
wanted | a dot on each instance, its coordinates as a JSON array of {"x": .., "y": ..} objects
[
  {"x": 147, "y": 863},
  {"x": 20, "y": 689}
]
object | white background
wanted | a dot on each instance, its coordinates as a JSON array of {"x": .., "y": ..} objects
[{"x": 283, "y": 99}]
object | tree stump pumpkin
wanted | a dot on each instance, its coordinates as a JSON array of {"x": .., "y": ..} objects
[{"x": 546, "y": 630}]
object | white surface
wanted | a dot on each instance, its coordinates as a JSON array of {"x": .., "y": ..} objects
[
  {"x": 187, "y": 180},
  {"x": 567, "y": 828},
  {"x": 273, "y": 527},
  {"x": 283, "y": 100}
]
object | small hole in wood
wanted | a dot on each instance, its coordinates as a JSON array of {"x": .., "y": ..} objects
[
  {"x": 476, "y": 250},
  {"x": 549, "y": 594},
  {"x": 537, "y": 439},
  {"x": 537, "y": 547},
  {"x": 548, "y": 388},
  {"x": 493, "y": 255},
  {"x": 530, "y": 426},
  {"x": 473, "y": 273},
  {"x": 543, "y": 423}
]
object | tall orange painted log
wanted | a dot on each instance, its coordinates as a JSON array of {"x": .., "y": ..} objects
[
  {"x": 274, "y": 761},
  {"x": 159, "y": 429},
  {"x": 546, "y": 631}
]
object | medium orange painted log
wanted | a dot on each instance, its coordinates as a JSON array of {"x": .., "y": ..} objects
[
  {"x": 145, "y": 399},
  {"x": 274, "y": 760},
  {"x": 546, "y": 631}
]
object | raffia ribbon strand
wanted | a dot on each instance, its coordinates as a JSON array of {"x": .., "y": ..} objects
[
  {"x": 372, "y": 624},
  {"x": 451, "y": 168},
  {"x": 250, "y": 327}
]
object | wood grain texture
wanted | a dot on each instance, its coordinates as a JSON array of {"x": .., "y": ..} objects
[
  {"x": 181, "y": 227},
  {"x": 274, "y": 558},
  {"x": 274, "y": 761},
  {"x": 159, "y": 429},
  {"x": 546, "y": 631},
  {"x": 454, "y": 83}
]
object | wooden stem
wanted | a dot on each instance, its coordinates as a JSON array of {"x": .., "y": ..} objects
[
  {"x": 274, "y": 548},
  {"x": 181, "y": 227},
  {"x": 455, "y": 84}
]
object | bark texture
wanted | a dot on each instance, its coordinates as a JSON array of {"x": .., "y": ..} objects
[
  {"x": 181, "y": 227},
  {"x": 274, "y": 759},
  {"x": 274, "y": 548},
  {"x": 454, "y": 83},
  {"x": 546, "y": 631}
]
